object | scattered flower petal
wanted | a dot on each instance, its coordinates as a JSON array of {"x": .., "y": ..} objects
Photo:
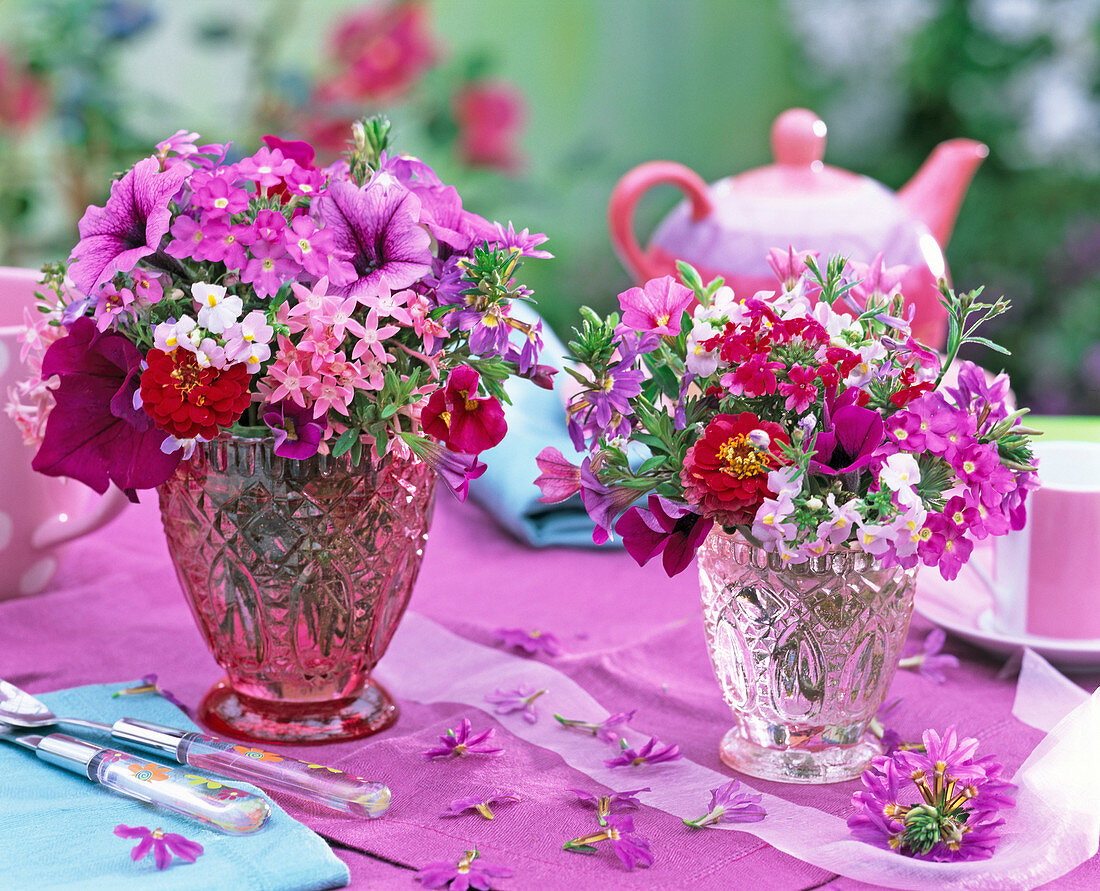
[
  {"x": 651, "y": 753},
  {"x": 469, "y": 872},
  {"x": 606, "y": 730},
  {"x": 522, "y": 698},
  {"x": 728, "y": 804},
  {"x": 163, "y": 845},
  {"x": 480, "y": 803},
  {"x": 462, "y": 742},
  {"x": 931, "y": 662},
  {"x": 610, "y": 804},
  {"x": 631, "y": 848}
]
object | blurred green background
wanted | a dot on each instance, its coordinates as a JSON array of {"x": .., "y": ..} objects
[{"x": 87, "y": 87}]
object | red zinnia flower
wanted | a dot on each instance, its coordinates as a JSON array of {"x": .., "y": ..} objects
[
  {"x": 190, "y": 401},
  {"x": 726, "y": 470}
]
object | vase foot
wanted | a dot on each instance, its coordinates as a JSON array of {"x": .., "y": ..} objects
[
  {"x": 230, "y": 713},
  {"x": 834, "y": 764}
]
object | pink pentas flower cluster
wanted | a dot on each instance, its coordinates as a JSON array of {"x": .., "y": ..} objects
[
  {"x": 808, "y": 418},
  {"x": 351, "y": 308}
]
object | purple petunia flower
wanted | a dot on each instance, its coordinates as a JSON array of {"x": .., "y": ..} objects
[
  {"x": 629, "y": 847},
  {"x": 941, "y": 804},
  {"x": 531, "y": 642},
  {"x": 607, "y": 730},
  {"x": 610, "y": 804},
  {"x": 651, "y": 753},
  {"x": 297, "y": 433},
  {"x": 462, "y": 742},
  {"x": 479, "y": 803},
  {"x": 377, "y": 227},
  {"x": 520, "y": 699},
  {"x": 130, "y": 226},
  {"x": 667, "y": 528},
  {"x": 728, "y": 804},
  {"x": 931, "y": 662},
  {"x": 163, "y": 845},
  {"x": 469, "y": 872}
]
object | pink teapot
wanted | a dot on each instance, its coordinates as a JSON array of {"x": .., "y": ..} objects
[{"x": 727, "y": 228}]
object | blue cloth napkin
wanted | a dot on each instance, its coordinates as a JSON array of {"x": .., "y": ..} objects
[
  {"x": 56, "y": 829},
  {"x": 536, "y": 419}
]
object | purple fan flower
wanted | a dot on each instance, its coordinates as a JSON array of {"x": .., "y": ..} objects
[
  {"x": 520, "y": 699},
  {"x": 651, "y": 753},
  {"x": 629, "y": 847},
  {"x": 559, "y": 478},
  {"x": 931, "y": 662},
  {"x": 149, "y": 685},
  {"x": 461, "y": 742},
  {"x": 163, "y": 845},
  {"x": 469, "y": 872},
  {"x": 667, "y": 527},
  {"x": 480, "y": 803},
  {"x": 610, "y": 804},
  {"x": 606, "y": 731},
  {"x": 377, "y": 227},
  {"x": 531, "y": 642},
  {"x": 113, "y": 238},
  {"x": 728, "y": 804},
  {"x": 940, "y": 805},
  {"x": 94, "y": 434},
  {"x": 523, "y": 241},
  {"x": 297, "y": 433}
]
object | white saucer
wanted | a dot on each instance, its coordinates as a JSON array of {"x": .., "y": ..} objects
[{"x": 963, "y": 607}]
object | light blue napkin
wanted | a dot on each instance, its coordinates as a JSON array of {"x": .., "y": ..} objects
[
  {"x": 536, "y": 419},
  {"x": 56, "y": 829}
]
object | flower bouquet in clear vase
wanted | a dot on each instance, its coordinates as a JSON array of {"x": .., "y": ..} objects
[
  {"x": 291, "y": 355},
  {"x": 814, "y": 455}
]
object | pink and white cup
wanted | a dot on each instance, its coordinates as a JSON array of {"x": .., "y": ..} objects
[
  {"x": 1045, "y": 581},
  {"x": 38, "y": 514}
]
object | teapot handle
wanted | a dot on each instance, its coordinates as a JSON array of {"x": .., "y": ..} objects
[
  {"x": 60, "y": 529},
  {"x": 620, "y": 210}
]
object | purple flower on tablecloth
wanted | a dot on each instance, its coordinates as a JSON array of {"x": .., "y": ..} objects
[
  {"x": 651, "y": 753},
  {"x": 607, "y": 730},
  {"x": 149, "y": 684},
  {"x": 728, "y": 804},
  {"x": 631, "y": 848},
  {"x": 469, "y": 872},
  {"x": 521, "y": 698},
  {"x": 479, "y": 803},
  {"x": 163, "y": 845},
  {"x": 931, "y": 662},
  {"x": 891, "y": 740},
  {"x": 531, "y": 642},
  {"x": 941, "y": 804},
  {"x": 456, "y": 743},
  {"x": 610, "y": 804}
]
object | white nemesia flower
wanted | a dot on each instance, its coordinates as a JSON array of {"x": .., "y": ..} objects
[
  {"x": 217, "y": 310},
  {"x": 171, "y": 334},
  {"x": 900, "y": 471}
]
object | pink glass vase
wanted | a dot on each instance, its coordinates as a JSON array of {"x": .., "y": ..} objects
[
  {"x": 297, "y": 573},
  {"x": 804, "y": 654}
]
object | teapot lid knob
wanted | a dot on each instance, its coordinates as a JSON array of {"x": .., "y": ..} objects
[{"x": 798, "y": 138}]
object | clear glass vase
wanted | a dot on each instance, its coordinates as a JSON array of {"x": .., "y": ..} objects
[
  {"x": 805, "y": 655},
  {"x": 297, "y": 573}
]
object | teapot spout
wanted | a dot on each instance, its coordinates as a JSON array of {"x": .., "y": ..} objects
[{"x": 936, "y": 191}]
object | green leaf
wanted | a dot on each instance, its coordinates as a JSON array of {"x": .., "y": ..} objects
[
  {"x": 986, "y": 342},
  {"x": 651, "y": 464},
  {"x": 389, "y": 411},
  {"x": 345, "y": 441}
]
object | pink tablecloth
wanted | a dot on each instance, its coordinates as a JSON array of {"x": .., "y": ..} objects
[{"x": 632, "y": 640}]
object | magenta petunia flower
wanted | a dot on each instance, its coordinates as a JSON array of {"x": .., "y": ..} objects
[
  {"x": 606, "y": 730},
  {"x": 457, "y": 743},
  {"x": 941, "y": 804},
  {"x": 657, "y": 306},
  {"x": 377, "y": 227},
  {"x": 531, "y": 642},
  {"x": 559, "y": 479},
  {"x": 651, "y": 753},
  {"x": 667, "y": 528},
  {"x": 297, "y": 433},
  {"x": 94, "y": 434},
  {"x": 728, "y": 804},
  {"x": 848, "y": 441},
  {"x": 520, "y": 699},
  {"x": 480, "y": 803},
  {"x": 130, "y": 226},
  {"x": 469, "y": 872},
  {"x": 455, "y": 415},
  {"x": 629, "y": 847},
  {"x": 931, "y": 662},
  {"x": 163, "y": 845}
]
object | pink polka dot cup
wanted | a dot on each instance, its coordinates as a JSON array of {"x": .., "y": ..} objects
[{"x": 38, "y": 514}]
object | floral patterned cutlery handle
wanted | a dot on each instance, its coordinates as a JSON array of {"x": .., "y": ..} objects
[
  {"x": 324, "y": 785},
  {"x": 230, "y": 810}
]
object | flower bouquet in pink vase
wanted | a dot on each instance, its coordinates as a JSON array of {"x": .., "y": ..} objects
[
  {"x": 291, "y": 355},
  {"x": 814, "y": 454}
]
